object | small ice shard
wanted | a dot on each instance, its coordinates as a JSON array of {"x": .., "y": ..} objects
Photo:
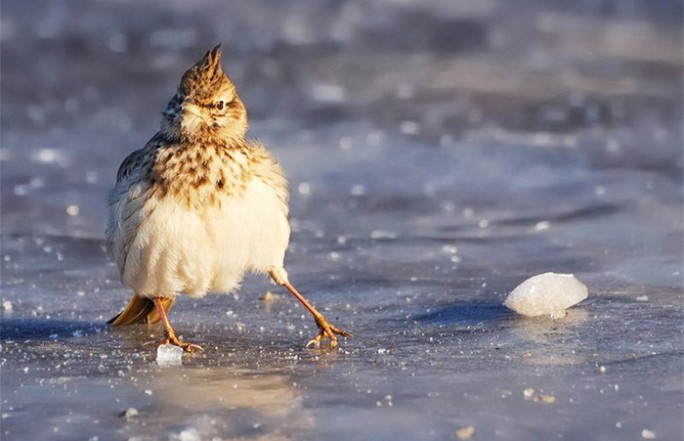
[
  {"x": 270, "y": 297},
  {"x": 72, "y": 210},
  {"x": 169, "y": 355},
  {"x": 131, "y": 412},
  {"x": 648, "y": 434},
  {"x": 546, "y": 399},
  {"x": 548, "y": 293},
  {"x": 190, "y": 434},
  {"x": 465, "y": 433}
]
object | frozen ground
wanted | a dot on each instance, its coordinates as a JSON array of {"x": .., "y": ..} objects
[{"x": 438, "y": 154}]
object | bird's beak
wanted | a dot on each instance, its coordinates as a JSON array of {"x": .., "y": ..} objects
[{"x": 191, "y": 117}]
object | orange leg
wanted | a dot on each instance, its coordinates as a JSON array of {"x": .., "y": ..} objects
[
  {"x": 169, "y": 334},
  {"x": 325, "y": 328}
]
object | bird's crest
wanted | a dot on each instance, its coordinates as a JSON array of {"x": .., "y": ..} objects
[
  {"x": 206, "y": 74},
  {"x": 210, "y": 64}
]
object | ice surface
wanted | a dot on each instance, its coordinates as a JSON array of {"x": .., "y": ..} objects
[
  {"x": 169, "y": 355},
  {"x": 468, "y": 150},
  {"x": 546, "y": 294}
]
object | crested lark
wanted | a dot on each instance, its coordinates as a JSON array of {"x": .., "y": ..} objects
[{"x": 199, "y": 205}]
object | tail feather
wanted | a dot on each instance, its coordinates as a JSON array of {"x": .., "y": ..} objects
[{"x": 140, "y": 310}]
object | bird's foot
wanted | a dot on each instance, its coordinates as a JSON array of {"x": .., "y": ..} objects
[
  {"x": 173, "y": 340},
  {"x": 326, "y": 330}
]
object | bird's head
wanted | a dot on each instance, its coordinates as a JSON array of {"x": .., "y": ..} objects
[{"x": 206, "y": 104}]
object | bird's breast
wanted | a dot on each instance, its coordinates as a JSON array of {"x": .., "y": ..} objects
[{"x": 201, "y": 175}]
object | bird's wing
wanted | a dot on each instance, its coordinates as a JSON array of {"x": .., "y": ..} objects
[
  {"x": 126, "y": 200},
  {"x": 129, "y": 164},
  {"x": 267, "y": 169},
  {"x": 136, "y": 158}
]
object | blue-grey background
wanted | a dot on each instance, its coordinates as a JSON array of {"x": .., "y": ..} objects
[{"x": 439, "y": 152}]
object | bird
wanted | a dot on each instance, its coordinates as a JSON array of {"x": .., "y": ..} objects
[{"x": 199, "y": 206}]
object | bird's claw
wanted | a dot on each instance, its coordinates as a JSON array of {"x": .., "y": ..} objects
[
  {"x": 329, "y": 331},
  {"x": 173, "y": 340}
]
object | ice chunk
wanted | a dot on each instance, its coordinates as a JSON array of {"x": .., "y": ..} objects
[
  {"x": 190, "y": 434},
  {"x": 131, "y": 412},
  {"x": 648, "y": 434},
  {"x": 270, "y": 297},
  {"x": 548, "y": 293},
  {"x": 169, "y": 355},
  {"x": 72, "y": 210},
  {"x": 465, "y": 433}
]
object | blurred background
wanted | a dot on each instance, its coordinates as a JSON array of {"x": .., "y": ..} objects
[
  {"x": 439, "y": 153},
  {"x": 84, "y": 82}
]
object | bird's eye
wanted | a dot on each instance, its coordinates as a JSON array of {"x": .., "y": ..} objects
[{"x": 219, "y": 105}]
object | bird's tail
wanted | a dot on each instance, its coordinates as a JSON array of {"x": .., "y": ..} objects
[{"x": 140, "y": 310}]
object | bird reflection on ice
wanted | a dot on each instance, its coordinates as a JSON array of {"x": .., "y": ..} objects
[{"x": 222, "y": 403}]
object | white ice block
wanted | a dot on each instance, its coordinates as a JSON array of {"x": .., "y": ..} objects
[
  {"x": 548, "y": 293},
  {"x": 169, "y": 355}
]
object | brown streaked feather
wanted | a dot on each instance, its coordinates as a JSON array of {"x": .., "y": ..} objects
[
  {"x": 140, "y": 310},
  {"x": 204, "y": 78},
  {"x": 266, "y": 168},
  {"x": 139, "y": 158}
]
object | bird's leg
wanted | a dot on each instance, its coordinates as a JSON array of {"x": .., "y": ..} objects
[
  {"x": 169, "y": 334},
  {"x": 279, "y": 276}
]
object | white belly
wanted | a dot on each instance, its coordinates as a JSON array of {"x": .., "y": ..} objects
[{"x": 178, "y": 249}]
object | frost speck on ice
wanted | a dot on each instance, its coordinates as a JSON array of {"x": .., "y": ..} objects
[
  {"x": 169, "y": 355},
  {"x": 548, "y": 293}
]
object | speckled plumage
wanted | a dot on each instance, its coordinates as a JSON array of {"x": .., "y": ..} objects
[{"x": 199, "y": 205}]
